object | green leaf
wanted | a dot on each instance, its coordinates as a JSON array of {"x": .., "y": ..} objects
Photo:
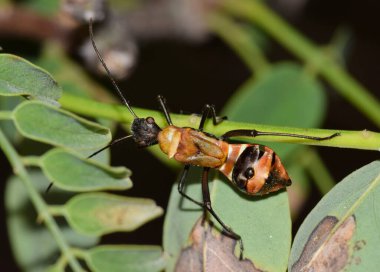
[
  {"x": 342, "y": 231},
  {"x": 45, "y": 7},
  {"x": 25, "y": 232},
  {"x": 56, "y": 268},
  {"x": 181, "y": 215},
  {"x": 278, "y": 97},
  {"x": 20, "y": 77},
  {"x": 84, "y": 174},
  {"x": 263, "y": 223},
  {"x": 286, "y": 96},
  {"x": 48, "y": 124},
  {"x": 8, "y": 104},
  {"x": 126, "y": 258},
  {"x": 101, "y": 213}
]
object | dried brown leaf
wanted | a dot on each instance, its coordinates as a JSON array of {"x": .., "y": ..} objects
[
  {"x": 327, "y": 249},
  {"x": 211, "y": 252}
]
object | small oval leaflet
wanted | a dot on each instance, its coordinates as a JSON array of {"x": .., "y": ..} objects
[
  {"x": 47, "y": 124},
  {"x": 19, "y": 77},
  {"x": 84, "y": 175},
  {"x": 101, "y": 213},
  {"x": 126, "y": 258}
]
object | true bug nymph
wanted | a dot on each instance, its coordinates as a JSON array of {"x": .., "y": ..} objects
[{"x": 253, "y": 168}]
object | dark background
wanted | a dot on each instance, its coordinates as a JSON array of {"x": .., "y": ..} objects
[{"x": 190, "y": 75}]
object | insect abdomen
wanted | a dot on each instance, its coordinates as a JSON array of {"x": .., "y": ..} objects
[{"x": 255, "y": 169}]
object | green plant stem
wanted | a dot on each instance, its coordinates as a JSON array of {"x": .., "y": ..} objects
[
  {"x": 240, "y": 40},
  {"x": 56, "y": 210},
  {"x": 5, "y": 115},
  {"x": 39, "y": 204},
  {"x": 59, "y": 265},
  {"x": 31, "y": 161},
  {"x": 256, "y": 12},
  {"x": 365, "y": 139},
  {"x": 80, "y": 253}
]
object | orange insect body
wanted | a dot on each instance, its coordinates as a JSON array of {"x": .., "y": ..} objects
[{"x": 255, "y": 169}]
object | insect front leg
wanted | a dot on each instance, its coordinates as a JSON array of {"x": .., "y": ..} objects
[
  {"x": 207, "y": 109},
  {"x": 207, "y": 205},
  {"x": 255, "y": 133},
  {"x": 164, "y": 108}
]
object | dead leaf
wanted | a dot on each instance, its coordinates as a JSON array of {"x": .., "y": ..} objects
[
  {"x": 327, "y": 251},
  {"x": 209, "y": 252}
]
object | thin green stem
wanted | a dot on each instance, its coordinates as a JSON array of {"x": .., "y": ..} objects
[
  {"x": 240, "y": 40},
  {"x": 5, "y": 115},
  {"x": 256, "y": 12},
  {"x": 31, "y": 160},
  {"x": 38, "y": 202},
  {"x": 365, "y": 139},
  {"x": 60, "y": 264},
  {"x": 56, "y": 210},
  {"x": 80, "y": 253}
]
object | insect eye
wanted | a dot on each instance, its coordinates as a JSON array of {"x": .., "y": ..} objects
[
  {"x": 249, "y": 173},
  {"x": 150, "y": 120}
]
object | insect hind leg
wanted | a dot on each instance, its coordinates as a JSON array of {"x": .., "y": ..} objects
[
  {"x": 207, "y": 206},
  {"x": 256, "y": 133}
]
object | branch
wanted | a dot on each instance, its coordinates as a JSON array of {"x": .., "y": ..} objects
[{"x": 364, "y": 139}]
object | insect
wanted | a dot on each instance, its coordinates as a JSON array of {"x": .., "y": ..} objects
[{"x": 253, "y": 168}]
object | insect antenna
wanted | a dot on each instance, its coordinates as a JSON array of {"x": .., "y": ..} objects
[
  {"x": 125, "y": 102},
  {"x": 109, "y": 145}
]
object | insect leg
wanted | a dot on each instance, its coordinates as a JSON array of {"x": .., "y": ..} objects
[
  {"x": 207, "y": 205},
  {"x": 205, "y": 113},
  {"x": 181, "y": 186},
  {"x": 255, "y": 133},
  {"x": 164, "y": 108}
]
